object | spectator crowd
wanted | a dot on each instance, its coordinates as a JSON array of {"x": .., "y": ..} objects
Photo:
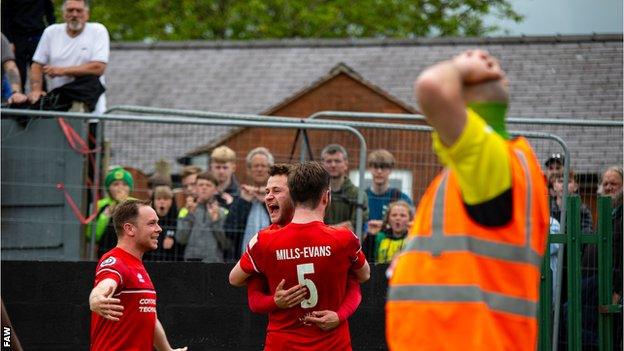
[
  {"x": 211, "y": 216},
  {"x": 609, "y": 185}
]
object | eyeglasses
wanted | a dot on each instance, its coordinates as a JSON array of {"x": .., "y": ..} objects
[{"x": 380, "y": 165}]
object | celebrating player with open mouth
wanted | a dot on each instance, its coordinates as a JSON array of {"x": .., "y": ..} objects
[{"x": 310, "y": 253}]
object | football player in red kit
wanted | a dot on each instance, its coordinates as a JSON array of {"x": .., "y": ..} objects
[
  {"x": 307, "y": 252},
  {"x": 123, "y": 300},
  {"x": 281, "y": 210}
]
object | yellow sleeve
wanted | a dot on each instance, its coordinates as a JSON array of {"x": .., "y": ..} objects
[{"x": 479, "y": 158}]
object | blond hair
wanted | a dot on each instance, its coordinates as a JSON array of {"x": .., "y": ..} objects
[
  {"x": 398, "y": 203},
  {"x": 222, "y": 154}
]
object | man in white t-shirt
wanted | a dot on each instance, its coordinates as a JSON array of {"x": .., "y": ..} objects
[{"x": 68, "y": 50}]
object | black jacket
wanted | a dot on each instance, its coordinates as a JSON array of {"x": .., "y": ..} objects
[{"x": 235, "y": 224}]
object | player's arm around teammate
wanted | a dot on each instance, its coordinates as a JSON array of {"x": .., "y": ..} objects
[
  {"x": 102, "y": 302},
  {"x": 362, "y": 274},
  {"x": 237, "y": 275},
  {"x": 260, "y": 301}
]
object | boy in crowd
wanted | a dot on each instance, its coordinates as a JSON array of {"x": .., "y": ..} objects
[
  {"x": 202, "y": 229},
  {"x": 222, "y": 167},
  {"x": 380, "y": 164},
  {"x": 189, "y": 179}
]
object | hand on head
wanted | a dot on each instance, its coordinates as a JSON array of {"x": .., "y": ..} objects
[{"x": 478, "y": 66}]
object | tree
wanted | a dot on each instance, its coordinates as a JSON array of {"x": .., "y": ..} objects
[{"x": 262, "y": 19}]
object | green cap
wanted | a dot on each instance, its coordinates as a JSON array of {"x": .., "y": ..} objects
[{"x": 119, "y": 173}]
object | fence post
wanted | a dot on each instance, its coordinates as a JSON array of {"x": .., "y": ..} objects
[
  {"x": 605, "y": 281},
  {"x": 545, "y": 303},
  {"x": 573, "y": 244}
]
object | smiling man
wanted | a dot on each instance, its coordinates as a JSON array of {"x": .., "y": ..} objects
[
  {"x": 312, "y": 254},
  {"x": 123, "y": 301},
  {"x": 261, "y": 299},
  {"x": 69, "y": 50}
]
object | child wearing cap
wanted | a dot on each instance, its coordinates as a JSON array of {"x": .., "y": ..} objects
[
  {"x": 118, "y": 183},
  {"x": 554, "y": 164}
]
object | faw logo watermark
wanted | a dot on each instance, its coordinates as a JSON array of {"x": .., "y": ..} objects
[{"x": 6, "y": 338}]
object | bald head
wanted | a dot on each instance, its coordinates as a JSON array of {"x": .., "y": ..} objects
[{"x": 490, "y": 91}]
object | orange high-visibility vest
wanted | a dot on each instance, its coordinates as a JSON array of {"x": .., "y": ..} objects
[{"x": 458, "y": 285}]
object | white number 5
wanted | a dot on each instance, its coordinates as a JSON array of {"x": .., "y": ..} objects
[{"x": 303, "y": 269}]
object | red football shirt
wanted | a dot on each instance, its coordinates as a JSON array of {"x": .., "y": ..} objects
[
  {"x": 135, "y": 329},
  {"x": 317, "y": 256}
]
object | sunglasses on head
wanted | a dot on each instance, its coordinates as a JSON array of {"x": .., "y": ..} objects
[
  {"x": 556, "y": 156},
  {"x": 381, "y": 165}
]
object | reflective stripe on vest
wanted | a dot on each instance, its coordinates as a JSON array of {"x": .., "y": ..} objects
[
  {"x": 438, "y": 242},
  {"x": 463, "y": 293}
]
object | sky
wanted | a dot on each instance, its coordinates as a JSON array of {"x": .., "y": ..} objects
[{"x": 549, "y": 17}]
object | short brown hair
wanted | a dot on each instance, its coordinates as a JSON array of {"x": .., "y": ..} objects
[
  {"x": 381, "y": 156},
  {"x": 223, "y": 154},
  {"x": 190, "y": 170},
  {"x": 209, "y": 177},
  {"x": 571, "y": 176},
  {"x": 156, "y": 180},
  {"x": 163, "y": 192},
  {"x": 280, "y": 169},
  {"x": 307, "y": 181},
  {"x": 127, "y": 212},
  {"x": 334, "y": 149}
]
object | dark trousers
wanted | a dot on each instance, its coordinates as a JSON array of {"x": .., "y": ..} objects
[{"x": 25, "y": 47}]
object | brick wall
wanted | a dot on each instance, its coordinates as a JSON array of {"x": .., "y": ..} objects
[{"x": 341, "y": 92}]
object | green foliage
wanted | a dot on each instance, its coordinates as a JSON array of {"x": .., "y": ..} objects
[{"x": 261, "y": 19}]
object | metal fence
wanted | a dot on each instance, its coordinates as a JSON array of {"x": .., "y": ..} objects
[{"x": 160, "y": 140}]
